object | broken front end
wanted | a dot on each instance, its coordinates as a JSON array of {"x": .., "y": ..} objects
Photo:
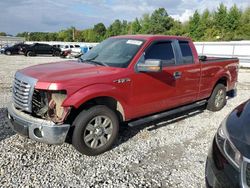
[{"x": 38, "y": 114}]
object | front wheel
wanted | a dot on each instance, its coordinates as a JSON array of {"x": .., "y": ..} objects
[
  {"x": 218, "y": 98},
  {"x": 96, "y": 130}
]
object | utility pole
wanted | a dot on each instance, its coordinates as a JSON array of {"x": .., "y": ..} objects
[{"x": 73, "y": 34}]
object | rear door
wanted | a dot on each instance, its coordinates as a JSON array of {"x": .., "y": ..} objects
[
  {"x": 47, "y": 49},
  {"x": 189, "y": 70},
  {"x": 38, "y": 49}
]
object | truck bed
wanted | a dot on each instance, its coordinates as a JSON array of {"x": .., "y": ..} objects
[{"x": 205, "y": 59}]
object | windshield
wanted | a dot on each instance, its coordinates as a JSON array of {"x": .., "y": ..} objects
[{"x": 114, "y": 52}]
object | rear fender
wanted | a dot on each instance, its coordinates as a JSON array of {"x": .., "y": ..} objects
[{"x": 220, "y": 75}]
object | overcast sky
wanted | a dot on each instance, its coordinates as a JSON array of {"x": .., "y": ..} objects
[{"x": 53, "y": 15}]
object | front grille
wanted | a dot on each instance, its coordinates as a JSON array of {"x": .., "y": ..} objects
[
  {"x": 21, "y": 92},
  {"x": 23, "y": 87}
]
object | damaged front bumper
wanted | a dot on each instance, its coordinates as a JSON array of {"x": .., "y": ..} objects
[{"x": 35, "y": 128}]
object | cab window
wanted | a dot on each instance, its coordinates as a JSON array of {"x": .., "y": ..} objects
[
  {"x": 186, "y": 52},
  {"x": 162, "y": 50}
]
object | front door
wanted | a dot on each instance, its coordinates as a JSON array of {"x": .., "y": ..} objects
[{"x": 155, "y": 92}]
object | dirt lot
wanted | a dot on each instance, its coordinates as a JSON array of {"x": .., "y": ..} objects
[{"x": 170, "y": 153}]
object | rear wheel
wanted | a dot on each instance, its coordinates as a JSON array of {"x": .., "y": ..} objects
[
  {"x": 96, "y": 130},
  {"x": 56, "y": 53},
  {"x": 30, "y": 53},
  {"x": 218, "y": 98},
  {"x": 8, "y": 52}
]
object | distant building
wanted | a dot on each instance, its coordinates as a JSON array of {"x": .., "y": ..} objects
[{"x": 7, "y": 40}]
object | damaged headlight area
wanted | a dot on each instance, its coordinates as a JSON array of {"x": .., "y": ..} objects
[
  {"x": 48, "y": 105},
  {"x": 227, "y": 147}
]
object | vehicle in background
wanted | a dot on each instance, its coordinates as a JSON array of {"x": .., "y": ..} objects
[
  {"x": 85, "y": 49},
  {"x": 56, "y": 45},
  {"x": 134, "y": 78},
  {"x": 73, "y": 51},
  {"x": 65, "y": 54},
  {"x": 16, "y": 49},
  {"x": 42, "y": 49},
  {"x": 2, "y": 48},
  {"x": 228, "y": 161},
  {"x": 74, "y": 48}
]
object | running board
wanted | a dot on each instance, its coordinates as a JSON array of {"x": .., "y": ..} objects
[{"x": 166, "y": 113}]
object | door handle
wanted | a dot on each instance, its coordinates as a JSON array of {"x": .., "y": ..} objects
[{"x": 177, "y": 75}]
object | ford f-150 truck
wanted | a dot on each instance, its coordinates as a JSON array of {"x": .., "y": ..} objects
[{"x": 132, "y": 79}]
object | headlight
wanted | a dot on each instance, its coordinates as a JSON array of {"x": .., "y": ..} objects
[
  {"x": 48, "y": 105},
  {"x": 226, "y": 146}
]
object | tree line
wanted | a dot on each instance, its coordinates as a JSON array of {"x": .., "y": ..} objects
[{"x": 222, "y": 24}]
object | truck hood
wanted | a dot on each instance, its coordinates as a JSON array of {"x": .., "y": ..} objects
[
  {"x": 238, "y": 127},
  {"x": 68, "y": 74}
]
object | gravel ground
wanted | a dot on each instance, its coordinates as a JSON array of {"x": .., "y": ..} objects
[{"x": 170, "y": 153}]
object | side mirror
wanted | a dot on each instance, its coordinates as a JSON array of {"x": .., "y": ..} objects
[{"x": 150, "y": 65}]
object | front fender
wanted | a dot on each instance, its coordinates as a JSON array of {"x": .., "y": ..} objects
[{"x": 93, "y": 91}]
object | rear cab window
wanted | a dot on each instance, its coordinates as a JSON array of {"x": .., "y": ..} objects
[{"x": 186, "y": 51}]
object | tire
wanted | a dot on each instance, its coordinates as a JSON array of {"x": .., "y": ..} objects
[
  {"x": 30, "y": 54},
  {"x": 8, "y": 52},
  {"x": 218, "y": 98},
  {"x": 56, "y": 53},
  {"x": 91, "y": 130}
]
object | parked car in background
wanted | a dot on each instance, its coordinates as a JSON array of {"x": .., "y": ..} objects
[
  {"x": 74, "y": 48},
  {"x": 65, "y": 54},
  {"x": 16, "y": 49},
  {"x": 85, "y": 49},
  {"x": 228, "y": 161},
  {"x": 2, "y": 48},
  {"x": 56, "y": 45},
  {"x": 42, "y": 49},
  {"x": 134, "y": 78}
]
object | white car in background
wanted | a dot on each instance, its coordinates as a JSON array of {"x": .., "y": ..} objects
[{"x": 74, "y": 48}]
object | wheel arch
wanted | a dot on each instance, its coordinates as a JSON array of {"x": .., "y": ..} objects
[
  {"x": 108, "y": 101},
  {"x": 222, "y": 80}
]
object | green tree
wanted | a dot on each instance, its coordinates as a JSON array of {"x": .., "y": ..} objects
[
  {"x": 233, "y": 18},
  {"x": 179, "y": 29},
  {"x": 135, "y": 27},
  {"x": 206, "y": 26},
  {"x": 3, "y": 34},
  {"x": 243, "y": 31},
  {"x": 195, "y": 29},
  {"x": 206, "y": 22},
  {"x": 220, "y": 20},
  {"x": 66, "y": 35},
  {"x": 125, "y": 27},
  {"x": 100, "y": 31},
  {"x": 145, "y": 24},
  {"x": 114, "y": 29},
  {"x": 160, "y": 22}
]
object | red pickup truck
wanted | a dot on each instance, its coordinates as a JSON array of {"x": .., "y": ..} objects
[{"x": 131, "y": 79}]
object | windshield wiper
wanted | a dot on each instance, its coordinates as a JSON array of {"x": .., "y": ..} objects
[
  {"x": 92, "y": 60},
  {"x": 97, "y": 62}
]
